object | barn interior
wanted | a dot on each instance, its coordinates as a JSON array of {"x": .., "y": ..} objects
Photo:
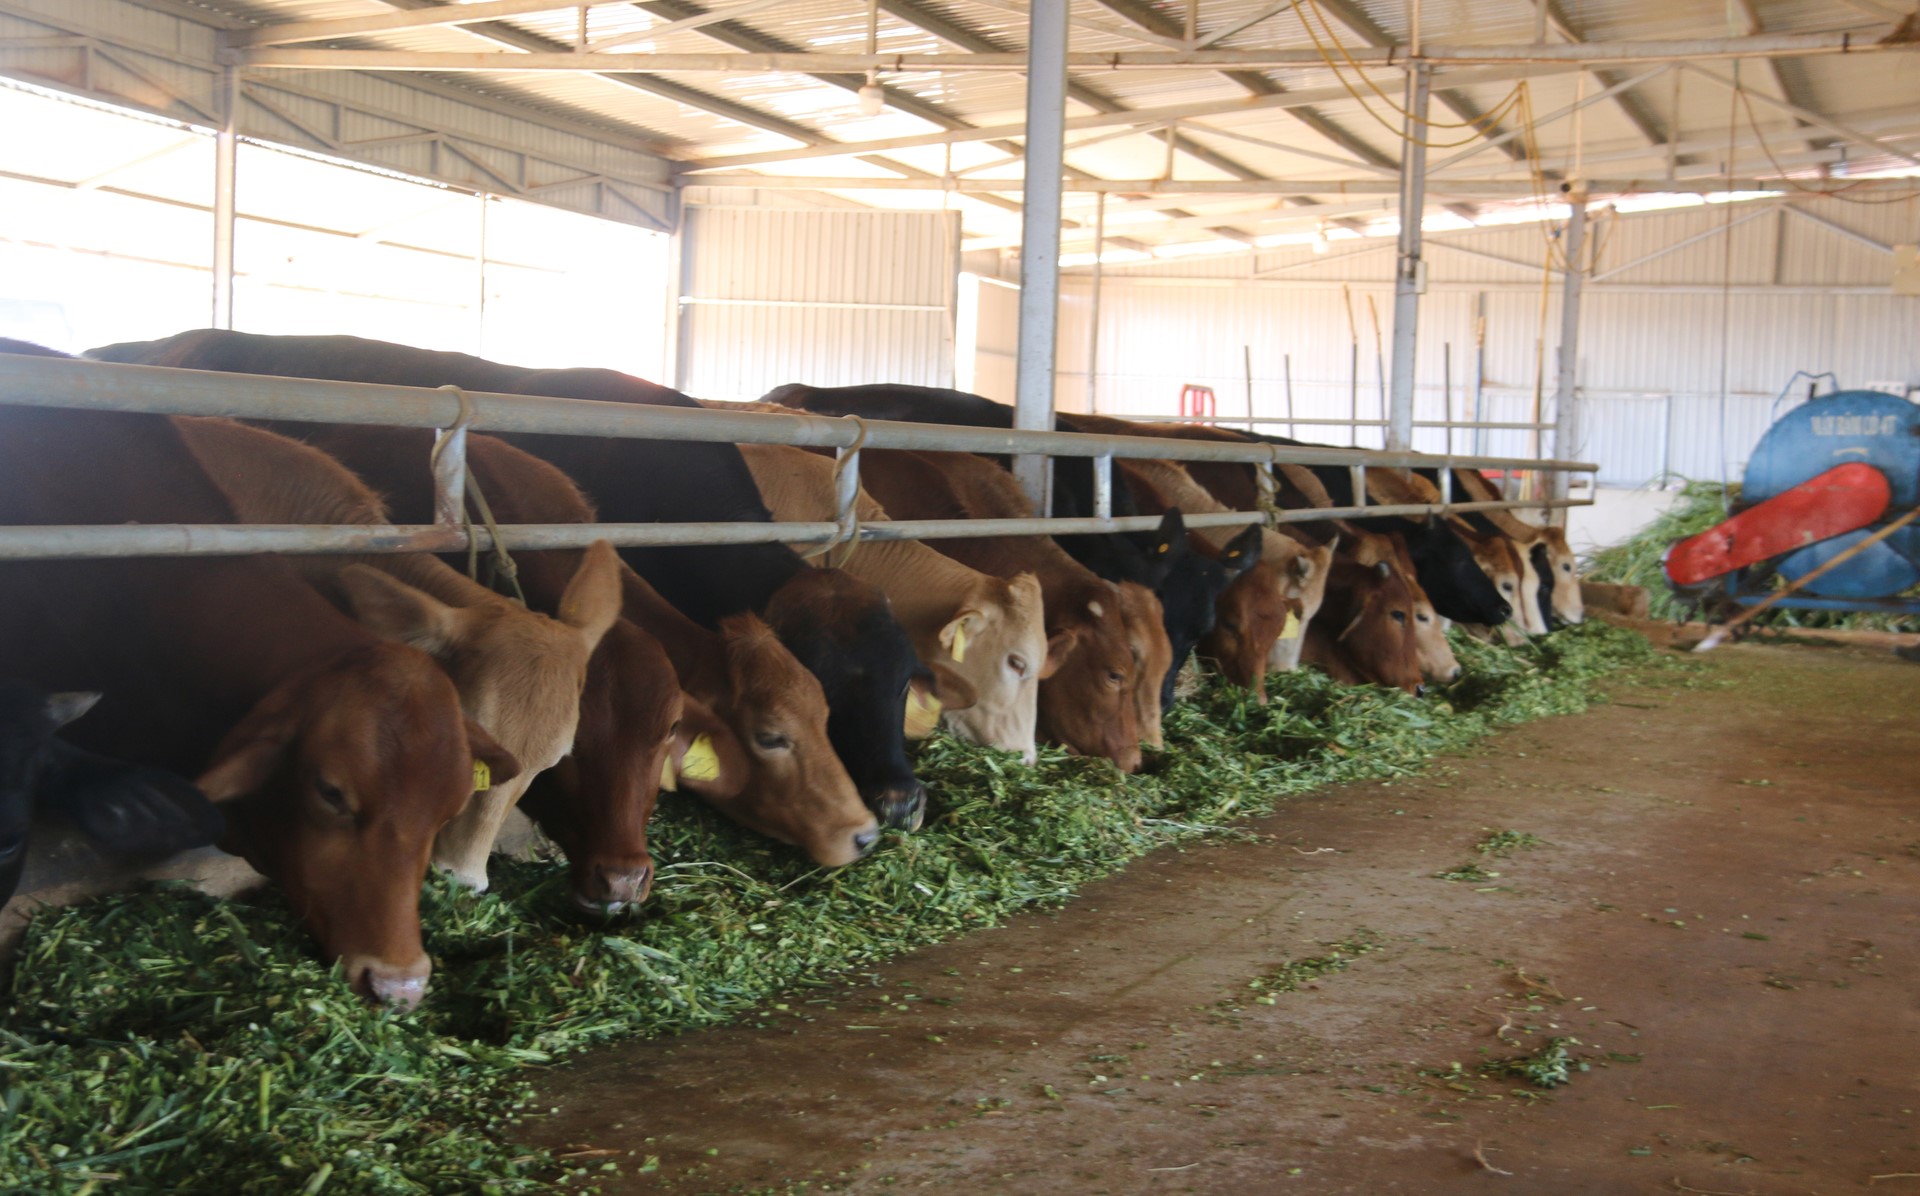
[{"x": 1611, "y": 901}]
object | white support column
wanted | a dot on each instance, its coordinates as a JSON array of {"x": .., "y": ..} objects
[
  {"x": 1093, "y": 308},
  {"x": 1566, "y": 412},
  {"x": 224, "y": 157},
  {"x": 1410, "y": 276},
  {"x": 1040, "y": 238}
]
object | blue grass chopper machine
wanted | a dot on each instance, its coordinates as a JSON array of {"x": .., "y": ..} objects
[{"x": 1828, "y": 517}]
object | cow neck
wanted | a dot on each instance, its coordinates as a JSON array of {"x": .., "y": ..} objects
[{"x": 182, "y": 646}]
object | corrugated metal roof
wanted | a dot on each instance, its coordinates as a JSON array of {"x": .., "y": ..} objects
[{"x": 708, "y": 116}]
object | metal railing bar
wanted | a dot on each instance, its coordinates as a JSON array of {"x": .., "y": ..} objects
[
  {"x": 91, "y": 385},
  {"x": 1229, "y": 421},
  {"x": 76, "y": 542}
]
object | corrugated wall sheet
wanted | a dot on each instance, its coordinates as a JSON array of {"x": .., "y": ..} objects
[{"x": 829, "y": 298}]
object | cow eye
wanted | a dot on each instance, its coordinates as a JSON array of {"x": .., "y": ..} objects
[
  {"x": 1018, "y": 664},
  {"x": 10, "y": 846},
  {"x": 1506, "y": 587},
  {"x": 1115, "y": 678},
  {"x": 772, "y": 741},
  {"x": 331, "y": 794},
  {"x": 1566, "y": 567},
  {"x": 1399, "y": 616},
  {"x": 1422, "y": 616}
]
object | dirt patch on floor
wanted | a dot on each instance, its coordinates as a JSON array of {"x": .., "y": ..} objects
[{"x": 1721, "y": 909}]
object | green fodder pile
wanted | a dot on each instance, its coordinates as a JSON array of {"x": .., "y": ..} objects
[
  {"x": 1636, "y": 562},
  {"x": 162, "y": 1040}
]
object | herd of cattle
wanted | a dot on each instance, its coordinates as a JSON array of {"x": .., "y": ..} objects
[{"x": 352, "y": 720}]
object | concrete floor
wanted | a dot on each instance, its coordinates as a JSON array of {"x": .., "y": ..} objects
[{"x": 1723, "y": 912}]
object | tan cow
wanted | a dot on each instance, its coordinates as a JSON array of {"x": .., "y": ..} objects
[
  {"x": 987, "y": 631},
  {"x": 519, "y": 674},
  {"x": 1088, "y": 699}
]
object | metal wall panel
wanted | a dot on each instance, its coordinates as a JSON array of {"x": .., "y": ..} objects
[
  {"x": 830, "y": 298},
  {"x": 1659, "y": 342}
]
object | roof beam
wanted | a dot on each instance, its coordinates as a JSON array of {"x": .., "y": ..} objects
[
  {"x": 1849, "y": 132},
  {"x": 1637, "y": 113},
  {"x": 1750, "y": 18},
  {"x": 1139, "y": 116},
  {"x": 1489, "y": 188},
  {"x": 1776, "y": 45},
  {"x": 387, "y": 22}
]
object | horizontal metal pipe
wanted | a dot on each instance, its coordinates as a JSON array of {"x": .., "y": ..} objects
[
  {"x": 91, "y": 385},
  {"x": 1332, "y": 423},
  {"x": 66, "y": 542}
]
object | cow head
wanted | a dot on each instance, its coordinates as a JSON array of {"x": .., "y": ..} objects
[
  {"x": 336, "y": 783},
  {"x": 996, "y": 644},
  {"x": 797, "y": 789},
  {"x": 1086, "y": 689},
  {"x": 843, "y": 631},
  {"x": 638, "y": 733},
  {"x": 1152, "y": 656},
  {"x": 1305, "y": 573},
  {"x": 27, "y": 723},
  {"x": 1251, "y": 613},
  {"x": 1498, "y": 559},
  {"x": 518, "y": 673},
  {"x": 1376, "y": 636},
  {"x": 1450, "y": 568},
  {"x": 1564, "y": 569},
  {"x": 126, "y": 808}
]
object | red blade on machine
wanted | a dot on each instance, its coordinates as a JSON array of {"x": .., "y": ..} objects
[{"x": 1843, "y": 499}]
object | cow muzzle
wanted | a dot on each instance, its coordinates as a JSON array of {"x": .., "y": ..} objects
[
  {"x": 900, "y": 807},
  {"x": 402, "y": 986},
  {"x": 607, "y": 891}
]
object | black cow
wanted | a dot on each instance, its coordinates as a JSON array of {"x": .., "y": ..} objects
[
  {"x": 125, "y": 808},
  {"x": 863, "y": 659},
  {"x": 1187, "y": 583}
]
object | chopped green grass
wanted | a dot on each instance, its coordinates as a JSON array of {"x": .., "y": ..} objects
[
  {"x": 162, "y": 1040},
  {"x": 1506, "y": 842},
  {"x": 1291, "y": 975}
]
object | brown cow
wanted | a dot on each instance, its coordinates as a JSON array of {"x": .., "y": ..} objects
[
  {"x": 1264, "y": 611},
  {"x": 518, "y": 672},
  {"x": 636, "y": 725},
  {"x": 1364, "y": 634},
  {"x": 984, "y": 637},
  {"x": 339, "y": 756},
  {"x": 1437, "y": 661},
  {"x": 795, "y": 789},
  {"x": 1087, "y": 690}
]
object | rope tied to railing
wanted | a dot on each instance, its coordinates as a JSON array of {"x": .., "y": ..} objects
[
  {"x": 500, "y": 562},
  {"x": 1268, "y": 487},
  {"x": 847, "y": 515}
]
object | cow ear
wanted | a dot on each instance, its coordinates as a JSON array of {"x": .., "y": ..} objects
[
  {"x": 959, "y": 634},
  {"x": 1171, "y": 533},
  {"x": 502, "y": 765},
  {"x": 63, "y": 708},
  {"x": 394, "y": 610},
  {"x": 1333, "y": 546},
  {"x": 591, "y": 601},
  {"x": 707, "y": 757},
  {"x": 1384, "y": 569},
  {"x": 1243, "y": 552},
  {"x": 1059, "y": 647},
  {"x": 255, "y": 748},
  {"x": 127, "y": 808},
  {"x": 1302, "y": 567}
]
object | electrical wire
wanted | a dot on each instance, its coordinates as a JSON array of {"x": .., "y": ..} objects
[{"x": 1838, "y": 193}]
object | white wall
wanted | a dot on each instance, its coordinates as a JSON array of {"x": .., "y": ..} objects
[
  {"x": 1655, "y": 335},
  {"x": 831, "y": 298}
]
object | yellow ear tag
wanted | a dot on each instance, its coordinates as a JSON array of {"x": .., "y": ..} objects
[
  {"x": 1292, "y": 630},
  {"x": 701, "y": 763},
  {"x": 923, "y": 714},
  {"x": 482, "y": 776},
  {"x": 960, "y": 642},
  {"x": 1161, "y": 548},
  {"x": 668, "y": 781}
]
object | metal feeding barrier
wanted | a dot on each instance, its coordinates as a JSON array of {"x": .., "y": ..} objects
[{"x": 32, "y": 381}]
